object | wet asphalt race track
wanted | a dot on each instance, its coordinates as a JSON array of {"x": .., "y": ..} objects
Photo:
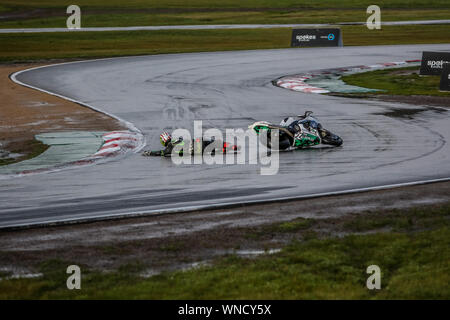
[
  {"x": 220, "y": 26},
  {"x": 227, "y": 90}
]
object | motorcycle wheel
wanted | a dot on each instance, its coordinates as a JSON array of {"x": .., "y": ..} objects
[
  {"x": 283, "y": 141},
  {"x": 331, "y": 139}
]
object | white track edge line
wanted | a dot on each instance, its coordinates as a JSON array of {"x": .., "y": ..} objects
[
  {"x": 217, "y": 26},
  {"x": 127, "y": 124},
  {"x": 157, "y": 212}
]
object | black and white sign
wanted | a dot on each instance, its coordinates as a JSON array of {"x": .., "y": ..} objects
[
  {"x": 445, "y": 78},
  {"x": 433, "y": 62},
  {"x": 316, "y": 37}
]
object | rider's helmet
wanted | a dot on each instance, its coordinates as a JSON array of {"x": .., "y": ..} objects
[{"x": 165, "y": 138}]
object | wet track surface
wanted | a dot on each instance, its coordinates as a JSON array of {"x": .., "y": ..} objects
[
  {"x": 219, "y": 26},
  {"x": 228, "y": 90}
]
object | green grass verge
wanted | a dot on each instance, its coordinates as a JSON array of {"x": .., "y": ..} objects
[
  {"x": 97, "y": 13},
  {"x": 414, "y": 264},
  {"x": 398, "y": 81},
  {"x": 143, "y": 4},
  {"x": 41, "y": 46},
  {"x": 29, "y": 149}
]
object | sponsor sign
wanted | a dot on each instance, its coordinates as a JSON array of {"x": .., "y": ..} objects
[
  {"x": 433, "y": 62},
  {"x": 326, "y": 37},
  {"x": 445, "y": 78}
]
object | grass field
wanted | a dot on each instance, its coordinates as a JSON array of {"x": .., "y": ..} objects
[
  {"x": 30, "y": 149},
  {"x": 400, "y": 81},
  {"x": 44, "y": 46},
  {"x": 411, "y": 246},
  {"x": 51, "y": 13},
  {"x": 225, "y": 3},
  {"x": 117, "y": 19}
]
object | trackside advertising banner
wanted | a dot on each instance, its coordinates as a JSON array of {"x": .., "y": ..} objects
[
  {"x": 326, "y": 37},
  {"x": 433, "y": 62},
  {"x": 445, "y": 78}
]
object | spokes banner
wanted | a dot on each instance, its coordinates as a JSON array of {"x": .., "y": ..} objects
[
  {"x": 324, "y": 37},
  {"x": 433, "y": 62}
]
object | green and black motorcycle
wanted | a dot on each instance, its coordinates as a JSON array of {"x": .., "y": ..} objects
[{"x": 305, "y": 131}]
